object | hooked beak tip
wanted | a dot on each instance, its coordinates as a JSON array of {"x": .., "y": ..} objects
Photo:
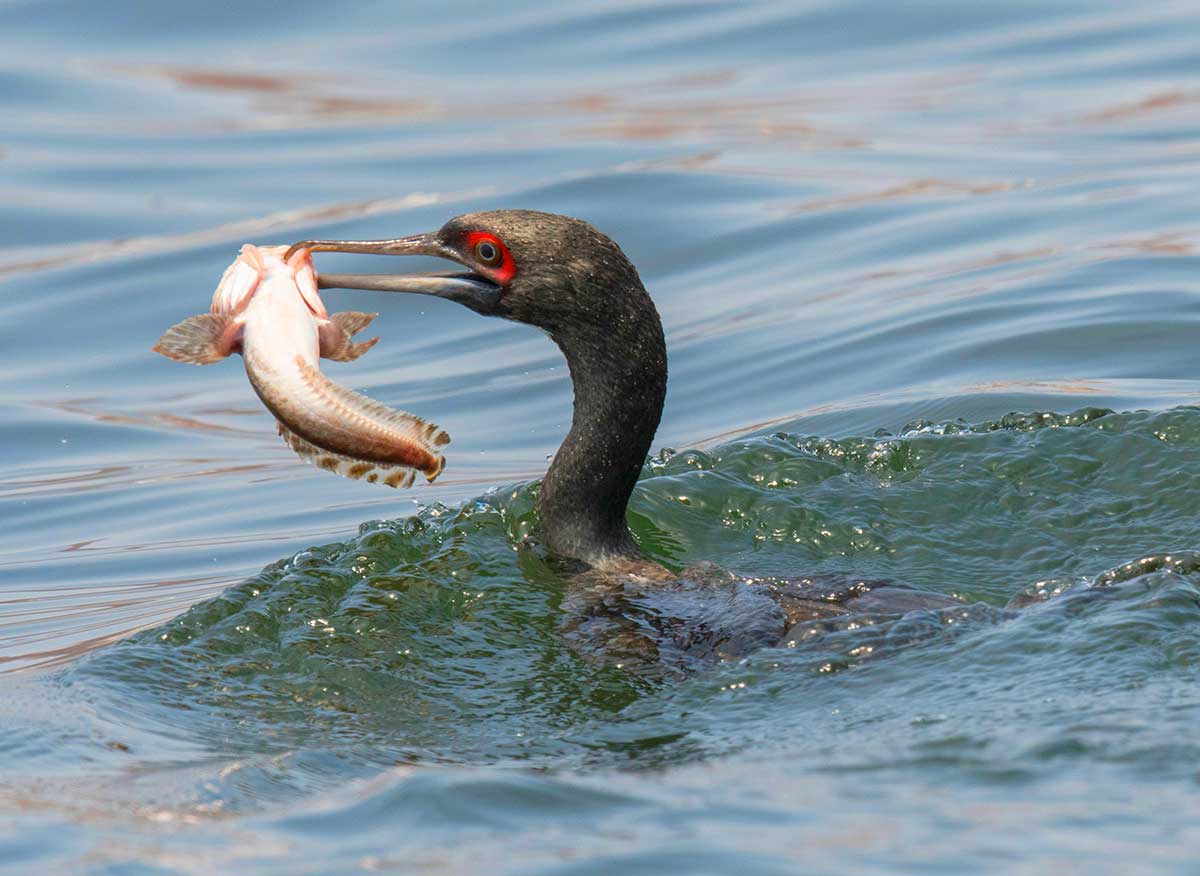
[{"x": 296, "y": 247}]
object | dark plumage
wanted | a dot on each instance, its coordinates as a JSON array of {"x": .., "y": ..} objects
[
  {"x": 565, "y": 277},
  {"x": 576, "y": 284}
]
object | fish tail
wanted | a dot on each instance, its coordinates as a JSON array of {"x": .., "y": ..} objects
[{"x": 409, "y": 440}]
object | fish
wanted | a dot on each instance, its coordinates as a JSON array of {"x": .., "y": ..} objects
[{"x": 268, "y": 309}]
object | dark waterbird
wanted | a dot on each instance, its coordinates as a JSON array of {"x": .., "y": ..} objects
[{"x": 563, "y": 276}]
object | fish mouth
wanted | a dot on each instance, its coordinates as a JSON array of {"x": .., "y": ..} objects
[{"x": 468, "y": 288}]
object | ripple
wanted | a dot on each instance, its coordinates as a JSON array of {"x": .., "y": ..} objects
[{"x": 919, "y": 273}]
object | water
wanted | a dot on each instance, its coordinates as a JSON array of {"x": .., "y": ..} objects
[{"x": 928, "y": 277}]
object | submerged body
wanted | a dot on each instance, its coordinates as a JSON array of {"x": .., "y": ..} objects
[
  {"x": 645, "y": 619},
  {"x": 268, "y": 309}
]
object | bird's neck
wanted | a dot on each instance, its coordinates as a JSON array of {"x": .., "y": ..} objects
[{"x": 620, "y": 379}]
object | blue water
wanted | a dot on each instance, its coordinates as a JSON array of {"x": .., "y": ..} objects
[{"x": 928, "y": 274}]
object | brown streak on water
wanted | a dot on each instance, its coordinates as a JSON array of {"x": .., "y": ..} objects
[{"x": 1153, "y": 103}]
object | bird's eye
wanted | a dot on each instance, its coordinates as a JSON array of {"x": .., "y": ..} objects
[{"x": 487, "y": 252}]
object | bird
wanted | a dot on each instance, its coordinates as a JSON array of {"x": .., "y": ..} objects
[{"x": 565, "y": 277}]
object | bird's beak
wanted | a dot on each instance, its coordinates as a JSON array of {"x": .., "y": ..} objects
[{"x": 468, "y": 289}]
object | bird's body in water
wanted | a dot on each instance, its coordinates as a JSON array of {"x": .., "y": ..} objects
[{"x": 568, "y": 279}]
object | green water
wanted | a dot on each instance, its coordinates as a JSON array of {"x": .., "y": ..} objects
[
  {"x": 431, "y": 647},
  {"x": 928, "y": 278}
]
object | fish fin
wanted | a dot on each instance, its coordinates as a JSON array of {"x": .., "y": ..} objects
[
  {"x": 388, "y": 474},
  {"x": 337, "y": 332},
  {"x": 251, "y": 255},
  {"x": 200, "y": 340},
  {"x": 441, "y": 467},
  {"x": 238, "y": 282},
  {"x": 306, "y": 281}
]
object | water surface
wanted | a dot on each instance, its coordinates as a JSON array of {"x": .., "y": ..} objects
[{"x": 927, "y": 273}]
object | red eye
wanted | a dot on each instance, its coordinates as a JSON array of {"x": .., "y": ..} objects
[{"x": 490, "y": 253}]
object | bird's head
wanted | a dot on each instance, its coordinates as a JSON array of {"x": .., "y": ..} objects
[{"x": 554, "y": 272}]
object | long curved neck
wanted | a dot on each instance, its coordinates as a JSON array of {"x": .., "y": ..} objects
[{"x": 620, "y": 379}]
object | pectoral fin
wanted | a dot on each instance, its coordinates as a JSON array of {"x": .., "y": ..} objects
[
  {"x": 200, "y": 340},
  {"x": 337, "y": 332}
]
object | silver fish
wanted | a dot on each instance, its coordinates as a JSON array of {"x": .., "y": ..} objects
[{"x": 269, "y": 310}]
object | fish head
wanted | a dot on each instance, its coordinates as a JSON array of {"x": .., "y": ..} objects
[{"x": 259, "y": 266}]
